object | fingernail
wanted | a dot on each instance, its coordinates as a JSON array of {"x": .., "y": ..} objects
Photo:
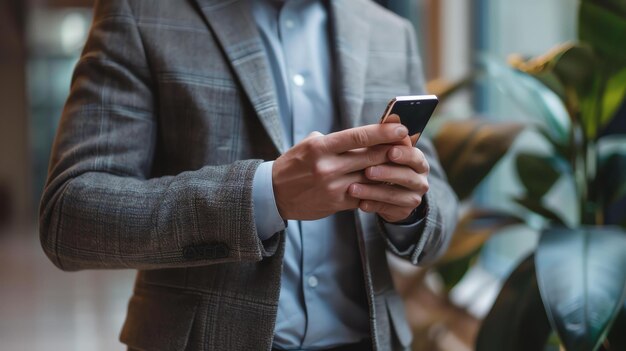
[
  {"x": 401, "y": 131},
  {"x": 395, "y": 153},
  {"x": 374, "y": 172},
  {"x": 355, "y": 189},
  {"x": 365, "y": 206}
]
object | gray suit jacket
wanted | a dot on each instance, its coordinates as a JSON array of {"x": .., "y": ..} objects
[{"x": 171, "y": 110}]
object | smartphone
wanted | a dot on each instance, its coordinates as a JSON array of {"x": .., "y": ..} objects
[{"x": 414, "y": 112}]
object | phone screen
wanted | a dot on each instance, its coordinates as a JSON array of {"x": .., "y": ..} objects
[{"x": 414, "y": 113}]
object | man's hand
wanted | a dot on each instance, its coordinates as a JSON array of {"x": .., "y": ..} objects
[
  {"x": 311, "y": 180},
  {"x": 399, "y": 186}
]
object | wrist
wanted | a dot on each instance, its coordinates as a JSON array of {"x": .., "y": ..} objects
[{"x": 415, "y": 216}]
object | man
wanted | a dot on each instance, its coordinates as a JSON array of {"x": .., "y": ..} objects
[{"x": 158, "y": 166}]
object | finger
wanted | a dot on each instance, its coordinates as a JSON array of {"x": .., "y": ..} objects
[
  {"x": 414, "y": 138},
  {"x": 360, "y": 159},
  {"x": 398, "y": 175},
  {"x": 389, "y": 213},
  {"x": 409, "y": 156},
  {"x": 365, "y": 136},
  {"x": 346, "y": 180},
  {"x": 340, "y": 187},
  {"x": 312, "y": 135},
  {"x": 386, "y": 193},
  {"x": 392, "y": 118},
  {"x": 341, "y": 184}
]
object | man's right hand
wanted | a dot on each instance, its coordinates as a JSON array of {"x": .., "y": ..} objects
[{"x": 312, "y": 178}]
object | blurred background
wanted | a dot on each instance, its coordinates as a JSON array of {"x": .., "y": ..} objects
[{"x": 42, "y": 308}]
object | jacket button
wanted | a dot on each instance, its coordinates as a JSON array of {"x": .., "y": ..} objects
[
  {"x": 189, "y": 253},
  {"x": 221, "y": 251},
  {"x": 206, "y": 251}
]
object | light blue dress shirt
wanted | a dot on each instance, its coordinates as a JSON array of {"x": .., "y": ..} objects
[{"x": 322, "y": 299}]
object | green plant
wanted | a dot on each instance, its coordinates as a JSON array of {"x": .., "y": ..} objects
[
  {"x": 578, "y": 271},
  {"x": 571, "y": 291},
  {"x": 468, "y": 150}
]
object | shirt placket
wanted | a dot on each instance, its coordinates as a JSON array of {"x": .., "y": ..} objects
[{"x": 300, "y": 79}]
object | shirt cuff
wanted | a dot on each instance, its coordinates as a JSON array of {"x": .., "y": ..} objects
[
  {"x": 403, "y": 235},
  {"x": 266, "y": 217}
]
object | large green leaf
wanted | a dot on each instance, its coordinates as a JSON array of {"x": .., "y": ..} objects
[
  {"x": 542, "y": 68},
  {"x": 591, "y": 107},
  {"x": 469, "y": 149},
  {"x": 616, "y": 6},
  {"x": 538, "y": 101},
  {"x": 574, "y": 67},
  {"x": 611, "y": 179},
  {"x": 603, "y": 98},
  {"x": 553, "y": 82},
  {"x": 603, "y": 29},
  {"x": 614, "y": 94},
  {"x": 562, "y": 150},
  {"x": 537, "y": 173},
  {"x": 537, "y": 206},
  {"x": 569, "y": 71},
  {"x": 517, "y": 321},
  {"x": 582, "y": 279}
]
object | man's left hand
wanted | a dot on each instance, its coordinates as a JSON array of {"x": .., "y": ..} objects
[{"x": 398, "y": 186}]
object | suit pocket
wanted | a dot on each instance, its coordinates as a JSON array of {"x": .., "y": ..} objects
[
  {"x": 159, "y": 320},
  {"x": 395, "y": 306}
]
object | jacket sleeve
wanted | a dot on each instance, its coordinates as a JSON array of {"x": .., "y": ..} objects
[
  {"x": 440, "y": 201},
  {"x": 100, "y": 209}
]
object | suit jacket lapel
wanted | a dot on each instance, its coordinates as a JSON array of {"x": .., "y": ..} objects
[
  {"x": 235, "y": 29},
  {"x": 351, "y": 43}
]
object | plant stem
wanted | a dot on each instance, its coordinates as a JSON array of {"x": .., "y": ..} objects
[
  {"x": 574, "y": 158},
  {"x": 591, "y": 203},
  {"x": 595, "y": 197},
  {"x": 586, "y": 203},
  {"x": 578, "y": 161}
]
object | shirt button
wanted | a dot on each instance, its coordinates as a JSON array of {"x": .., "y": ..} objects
[
  {"x": 289, "y": 24},
  {"x": 312, "y": 281},
  {"x": 298, "y": 80}
]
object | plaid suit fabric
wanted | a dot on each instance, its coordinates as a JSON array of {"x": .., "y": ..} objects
[{"x": 171, "y": 110}]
